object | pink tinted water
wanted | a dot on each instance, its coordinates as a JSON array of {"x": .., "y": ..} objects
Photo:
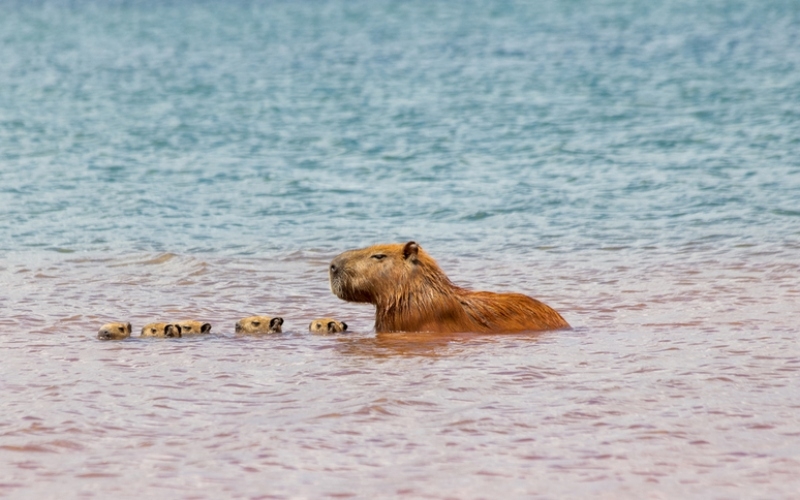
[{"x": 679, "y": 379}]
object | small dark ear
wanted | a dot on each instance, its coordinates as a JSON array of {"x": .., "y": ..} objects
[
  {"x": 275, "y": 322},
  {"x": 205, "y": 328},
  {"x": 331, "y": 326},
  {"x": 128, "y": 325},
  {"x": 344, "y": 326},
  {"x": 411, "y": 249}
]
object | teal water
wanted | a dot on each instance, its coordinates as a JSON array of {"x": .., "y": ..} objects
[
  {"x": 247, "y": 128},
  {"x": 634, "y": 164}
]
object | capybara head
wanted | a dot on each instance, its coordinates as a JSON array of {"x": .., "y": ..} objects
[
  {"x": 259, "y": 324},
  {"x": 170, "y": 330},
  {"x": 327, "y": 325},
  {"x": 114, "y": 331},
  {"x": 190, "y": 327},
  {"x": 381, "y": 273}
]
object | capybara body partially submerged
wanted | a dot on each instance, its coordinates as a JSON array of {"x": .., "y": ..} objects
[
  {"x": 259, "y": 324},
  {"x": 170, "y": 330},
  {"x": 327, "y": 325},
  {"x": 412, "y": 294},
  {"x": 114, "y": 331}
]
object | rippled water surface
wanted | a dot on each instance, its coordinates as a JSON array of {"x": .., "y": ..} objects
[{"x": 633, "y": 164}]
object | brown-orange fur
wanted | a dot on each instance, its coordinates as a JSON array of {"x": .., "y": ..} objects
[{"x": 412, "y": 294}]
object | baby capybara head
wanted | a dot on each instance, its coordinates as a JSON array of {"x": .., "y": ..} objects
[
  {"x": 327, "y": 325},
  {"x": 259, "y": 324},
  {"x": 189, "y": 327},
  {"x": 114, "y": 331},
  {"x": 169, "y": 330}
]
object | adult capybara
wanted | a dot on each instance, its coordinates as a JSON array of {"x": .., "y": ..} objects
[
  {"x": 412, "y": 294},
  {"x": 259, "y": 324},
  {"x": 327, "y": 325},
  {"x": 114, "y": 331}
]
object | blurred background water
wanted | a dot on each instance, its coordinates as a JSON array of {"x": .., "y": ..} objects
[
  {"x": 634, "y": 164},
  {"x": 243, "y": 128}
]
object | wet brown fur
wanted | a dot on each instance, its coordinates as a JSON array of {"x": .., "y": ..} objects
[
  {"x": 327, "y": 325},
  {"x": 412, "y": 294},
  {"x": 259, "y": 324}
]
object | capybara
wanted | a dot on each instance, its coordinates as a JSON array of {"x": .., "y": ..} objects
[
  {"x": 327, "y": 325},
  {"x": 161, "y": 330},
  {"x": 412, "y": 294},
  {"x": 114, "y": 331},
  {"x": 190, "y": 327},
  {"x": 259, "y": 324}
]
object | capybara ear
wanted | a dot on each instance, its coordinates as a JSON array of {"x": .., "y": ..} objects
[
  {"x": 410, "y": 250},
  {"x": 275, "y": 322},
  {"x": 205, "y": 328},
  {"x": 344, "y": 326},
  {"x": 128, "y": 326},
  {"x": 331, "y": 327}
]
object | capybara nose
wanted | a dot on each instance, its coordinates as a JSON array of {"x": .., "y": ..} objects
[
  {"x": 334, "y": 270},
  {"x": 337, "y": 265},
  {"x": 238, "y": 327}
]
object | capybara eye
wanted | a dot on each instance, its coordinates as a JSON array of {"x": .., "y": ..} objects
[
  {"x": 379, "y": 256},
  {"x": 256, "y": 323}
]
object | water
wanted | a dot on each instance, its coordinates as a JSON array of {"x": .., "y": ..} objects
[{"x": 633, "y": 165}]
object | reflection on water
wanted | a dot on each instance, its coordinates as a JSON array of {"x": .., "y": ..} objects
[{"x": 423, "y": 344}]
